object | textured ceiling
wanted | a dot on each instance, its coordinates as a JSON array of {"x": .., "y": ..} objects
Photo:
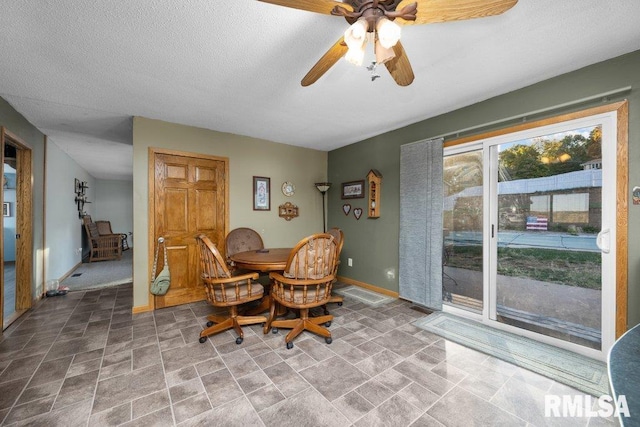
[{"x": 80, "y": 69}]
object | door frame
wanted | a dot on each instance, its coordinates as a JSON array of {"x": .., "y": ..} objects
[
  {"x": 153, "y": 151},
  {"x": 622, "y": 185},
  {"x": 24, "y": 224}
]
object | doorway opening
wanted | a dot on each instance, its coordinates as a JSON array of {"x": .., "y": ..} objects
[{"x": 16, "y": 250}]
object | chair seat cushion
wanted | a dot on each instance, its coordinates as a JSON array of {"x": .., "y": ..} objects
[
  {"x": 298, "y": 295},
  {"x": 243, "y": 292}
]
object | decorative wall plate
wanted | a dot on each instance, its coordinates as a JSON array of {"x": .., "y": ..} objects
[
  {"x": 346, "y": 208},
  {"x": 288, "y": 189},
  {"x": 357, "y": 212}
]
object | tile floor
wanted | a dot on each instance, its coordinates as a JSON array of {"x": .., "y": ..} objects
[{"x": 85, "y": 360}]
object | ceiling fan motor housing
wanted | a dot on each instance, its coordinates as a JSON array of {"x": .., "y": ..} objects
[{"x": 373, "y": 10}]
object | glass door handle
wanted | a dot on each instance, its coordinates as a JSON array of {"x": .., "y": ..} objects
[{"x": 603, "y": 241}]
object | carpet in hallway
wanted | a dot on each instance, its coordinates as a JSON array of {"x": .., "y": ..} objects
[{"x": 101, "y": 274}]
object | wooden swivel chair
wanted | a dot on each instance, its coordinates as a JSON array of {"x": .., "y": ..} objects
[
  {"x": 224, "y": 290},
  {"x": 305, "y": 283},
  {"x": 241, "y": 240},
  {"x": 338, "y": 237}
]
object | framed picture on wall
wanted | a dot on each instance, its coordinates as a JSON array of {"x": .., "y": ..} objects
[
  {"x": 261, "y": 193},
  {"x": 6, "y": 208},
  {"x": 353, "y": 190}
]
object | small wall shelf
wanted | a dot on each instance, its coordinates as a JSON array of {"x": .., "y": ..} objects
[
  {"x": 288, "y": 211},
  {"x": 374, "y": 177},
  {"x": 80, "y": 188}
]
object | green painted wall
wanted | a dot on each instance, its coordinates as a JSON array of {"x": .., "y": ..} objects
[{"x": 373, "y": 243}]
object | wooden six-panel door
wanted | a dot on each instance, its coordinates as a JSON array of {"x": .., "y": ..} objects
[{"x": 189, "y": 198}]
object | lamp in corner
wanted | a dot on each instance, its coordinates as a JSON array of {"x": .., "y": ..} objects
[{"x": 323, "y": 187}]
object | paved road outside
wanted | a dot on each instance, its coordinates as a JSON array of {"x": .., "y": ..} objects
[{"x": 530, "y": 239}]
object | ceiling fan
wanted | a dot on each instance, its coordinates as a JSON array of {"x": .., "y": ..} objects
[{"x": 374, "y": 21}]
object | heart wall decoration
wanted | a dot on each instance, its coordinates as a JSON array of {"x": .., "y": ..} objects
[
  {"x": 357, "y": 212},
  {"x": 346, "y": 208}
]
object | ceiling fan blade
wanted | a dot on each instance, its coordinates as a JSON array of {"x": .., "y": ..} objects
[
  {"x": 431, "y": 11},
  {"x": 332, "y": 56},
  {"x": 399, "y": 66},
  {"x": 318, "y": 6}
]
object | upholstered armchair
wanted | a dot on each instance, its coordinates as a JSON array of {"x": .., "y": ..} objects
[
  {"x": 104, "y": 229},
  {"x": 224, "y": 290},
  {"x": 102, "y": 246},
  {"x": 338, "y": 237},
  {"x": 305, "y": 283},
  {"x": 241, "y": 240}
]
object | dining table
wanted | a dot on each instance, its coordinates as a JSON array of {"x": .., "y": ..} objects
[{"x": 264, "y": 261}]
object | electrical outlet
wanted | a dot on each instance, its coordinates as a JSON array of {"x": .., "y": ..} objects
[{"x": 349, "y": 262}]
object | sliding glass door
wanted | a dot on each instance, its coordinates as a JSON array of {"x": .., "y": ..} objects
[
  {"x": 528, "y": 245},
  {"x": 463, "y": 236},
  {"x": 548, "y": 204}
]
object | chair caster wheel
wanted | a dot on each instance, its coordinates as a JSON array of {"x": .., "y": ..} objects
[
  {"x": 289, "y": 345},
  {"x": 239, "y": 340},
  {"x": 328, "y": 340},
  {"x": 209, "y": 324},
  {"x": 274, "y": 330},
  {"x": 340, "y": 304},
  {"x": 202, "y": 340},
  {"x": 327, "y": 324}
]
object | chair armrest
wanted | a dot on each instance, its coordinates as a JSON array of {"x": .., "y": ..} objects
[{"x": 233, "y": 279}]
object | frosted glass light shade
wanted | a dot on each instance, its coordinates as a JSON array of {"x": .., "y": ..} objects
[
  {"x": 356, "y": 34},
  {"x": 323, "y": 187},
  {"x": 355, "y": 56},
  {"x": 356, "y": 38},
  {"x": 388, "y": 32}
]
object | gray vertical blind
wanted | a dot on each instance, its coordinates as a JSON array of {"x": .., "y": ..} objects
[{"x": 421, "y": 204}]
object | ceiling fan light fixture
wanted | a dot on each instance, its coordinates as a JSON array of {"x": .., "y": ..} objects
[
  {"x": 356, "y": 38},
  {"x": 388, "y": 32},
  {"x": 356, "y": 34},
  {"x": 355, "y": 56}
]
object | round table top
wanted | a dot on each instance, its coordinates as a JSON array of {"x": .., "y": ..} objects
[
  {"x": 262, "y": 260},
  {"x": 624, "y": 373}
]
